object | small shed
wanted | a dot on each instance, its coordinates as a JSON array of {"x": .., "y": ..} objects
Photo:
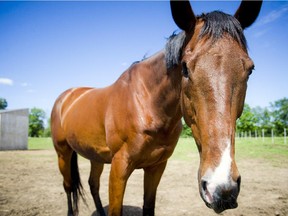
[{"x": 14, "y": 129}]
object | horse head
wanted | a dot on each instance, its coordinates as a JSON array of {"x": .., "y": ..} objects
[{"x": 216, "y": 67}]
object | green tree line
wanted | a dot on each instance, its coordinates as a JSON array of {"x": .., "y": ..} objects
[
  {"x": 273, "y": 117},
  {"x": 255, "y": 119}
]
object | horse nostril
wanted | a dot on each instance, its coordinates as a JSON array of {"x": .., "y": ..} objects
[
  {"x": 204, "y": 185},
  {"x": 239, "y": 183}
]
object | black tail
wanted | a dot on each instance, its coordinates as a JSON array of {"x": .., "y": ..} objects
[{"x": 77, "y": 188}]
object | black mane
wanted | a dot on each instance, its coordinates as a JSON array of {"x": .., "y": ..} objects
[
  {"x": 215, "y": 25},
  {"x": 173, "y": 49}
]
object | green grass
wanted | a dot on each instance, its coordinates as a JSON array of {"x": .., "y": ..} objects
[
  {"x": 40, "y": 143},
  {"x": 262, "y": 149},
  {"x": 185, "y": 149},
  {"x": 249, "y": 148}
]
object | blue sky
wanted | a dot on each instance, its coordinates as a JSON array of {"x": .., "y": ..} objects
[{"x": 47, "y": 47}]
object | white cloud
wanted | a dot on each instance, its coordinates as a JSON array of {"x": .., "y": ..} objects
[
  {"x": 259, "y": 33},
  {"x": 124, "y": 64},
  {"x": 24, "y": 84},
  {"x": 273, "y": 16},
  {"x": 6, "y": 81}
]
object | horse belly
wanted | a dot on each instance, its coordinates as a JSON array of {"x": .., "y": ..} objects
[
  {"x": 93, "y": 148},
  {"x": 85, "y": 132},
  {"x": 88, "y": 139}
]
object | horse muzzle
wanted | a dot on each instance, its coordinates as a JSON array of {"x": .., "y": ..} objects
[{"x": 220, "y": 197}]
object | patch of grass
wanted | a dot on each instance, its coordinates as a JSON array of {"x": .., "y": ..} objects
[
  {"x": 249, "y": 148},
  {"x": 40, "y": 143},
  {"x": 185, "y": 149},
  {"x": 262, "y": 149}
]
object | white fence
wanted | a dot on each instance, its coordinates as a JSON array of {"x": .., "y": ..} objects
[{"x": 261, "y": 134}]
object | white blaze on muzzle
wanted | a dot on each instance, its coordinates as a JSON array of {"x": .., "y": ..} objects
[{"x": 220, "y": 177}]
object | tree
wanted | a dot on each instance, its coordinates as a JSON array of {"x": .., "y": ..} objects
[
  {"x": 247, "y": 121},
  {"x": 47, "y": 130},
  {"x": 263, "y": 119},
  {"x": 280, "y": 115},
  {"x": 3, "y": 103},
  {"x": 36, "y": 122}
]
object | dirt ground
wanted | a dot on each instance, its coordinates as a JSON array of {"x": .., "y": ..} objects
[{"x": 30, "y": 184}]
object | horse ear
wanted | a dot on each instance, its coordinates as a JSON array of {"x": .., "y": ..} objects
[
  {"x": 183, "y": 15},
  {"x": 248, "y": 12}
]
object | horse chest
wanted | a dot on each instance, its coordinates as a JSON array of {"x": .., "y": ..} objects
[
  {"x": 152, "y": 151},
  {"x": 162, "y": 151}
]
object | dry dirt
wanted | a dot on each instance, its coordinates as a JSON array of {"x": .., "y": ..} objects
[{"x": 30, "y": 184}]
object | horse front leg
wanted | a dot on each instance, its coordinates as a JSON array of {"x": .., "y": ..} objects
[
  {"x": 152, "y": 176},
  {"x": 120, "y": 171}
]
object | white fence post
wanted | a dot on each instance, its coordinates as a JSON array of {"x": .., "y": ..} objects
[
  {"x": 263, "y": 134},
  {"x": 272, "y": 135}
]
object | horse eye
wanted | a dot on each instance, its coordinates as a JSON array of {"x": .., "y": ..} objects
[{"x": 185, "y": 71}]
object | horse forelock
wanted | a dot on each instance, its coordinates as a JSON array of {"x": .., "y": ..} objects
[{"x": 217, "y": 23}]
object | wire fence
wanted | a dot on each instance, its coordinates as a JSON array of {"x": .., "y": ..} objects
[{"x": 263, "y": 135}]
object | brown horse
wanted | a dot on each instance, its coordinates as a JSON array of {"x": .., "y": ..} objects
[{"x": 135, "y": 123}]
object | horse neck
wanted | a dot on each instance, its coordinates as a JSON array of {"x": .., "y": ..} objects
[{"x": 163, "y": 85}]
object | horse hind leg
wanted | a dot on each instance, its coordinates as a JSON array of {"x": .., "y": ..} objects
[
  {"x": 94, "y": 182},
  {"x": 68, "y": 166}
]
